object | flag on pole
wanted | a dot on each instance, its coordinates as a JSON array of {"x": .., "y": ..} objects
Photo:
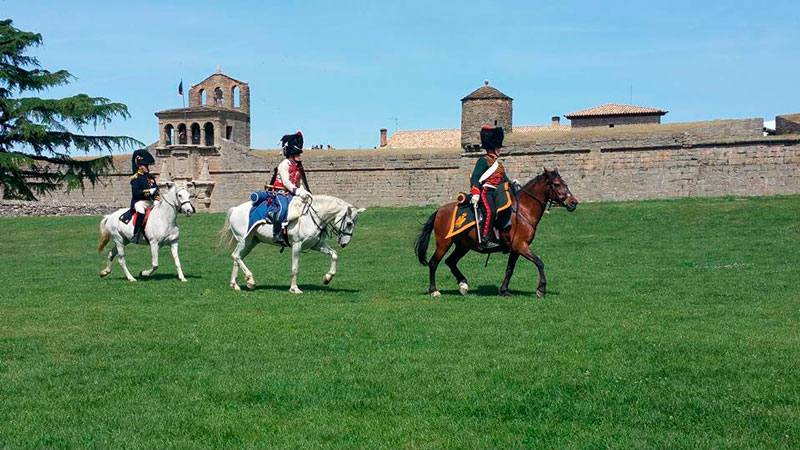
[{"x": 180, "y": 88}]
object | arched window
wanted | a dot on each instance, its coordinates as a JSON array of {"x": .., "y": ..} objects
[
  {"x": 182, "y": 134},
  {"x": 219, "y": 97},
  {"x": 209, "y": 128},
  {"x": 235, "y": 92},
  {"x": 168, "y": 135},
  {"x": 195, "y": 134},
  {"x": 202, "y": 97}
]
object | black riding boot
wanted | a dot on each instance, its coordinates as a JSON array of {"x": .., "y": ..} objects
[
  {"x": 138, "y": 228},
  {"x": 277, "y": 236},
  {"x": 486, "y": 240}
]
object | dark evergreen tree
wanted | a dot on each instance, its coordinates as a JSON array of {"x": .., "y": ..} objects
[{"x": 36, "y": 135}]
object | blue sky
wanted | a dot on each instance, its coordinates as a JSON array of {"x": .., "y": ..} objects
[{"x": 341, "y": 70}]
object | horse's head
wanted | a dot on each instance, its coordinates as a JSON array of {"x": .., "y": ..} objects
[
  {"x": 557, "y": 190},
  {"x": 345, "y": 224},
  {"x": 182, "y": 197}
]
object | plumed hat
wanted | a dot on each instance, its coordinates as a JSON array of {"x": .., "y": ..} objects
[
  {"x": 292, "y": 144},
  {"x": 140, "y": 157},
  {"x": 491, "y": 138}
]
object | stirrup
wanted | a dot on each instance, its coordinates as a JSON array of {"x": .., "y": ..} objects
[
  {"x": 490, "y": 245},
  {"x": 487, "y": 244}
]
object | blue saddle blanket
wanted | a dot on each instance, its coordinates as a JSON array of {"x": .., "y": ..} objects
[{"x": 268, "y": 207}]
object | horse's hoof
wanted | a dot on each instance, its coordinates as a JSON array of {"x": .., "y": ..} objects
[
  {"x": 131, "y": 279},
  {"x": 184, "y": 280},
  {"x": 505, "y": 294},
  {"x": 295, "y": 290},
  {"x": 436, "y": 294},
  {"x": 326, "y": 279},
  {"x": 251, "y": 283},
  {"x": 235, "y": 287},
  {"x": 104, "y": 273},
  {"x": 540, "y": 293},
  {"x": 463, "y": 288}
]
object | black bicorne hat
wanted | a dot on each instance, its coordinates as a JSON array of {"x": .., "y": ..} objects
[
  {"x": 491, "y": 138},
  {"x": 292, "y": 144},
  {"x": 140, "y": 157}
]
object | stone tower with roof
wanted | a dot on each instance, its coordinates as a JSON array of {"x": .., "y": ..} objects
[
  {"x": 192, "y": 139},
  {"x": 485, "y": 106},
  {"x": 219, "y": 107}
]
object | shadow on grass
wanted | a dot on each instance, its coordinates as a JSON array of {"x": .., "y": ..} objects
[
  {"x": 166, "y": 276},
  {"x": 304, "y": 288},
  {"x": 488, "y": 290}
]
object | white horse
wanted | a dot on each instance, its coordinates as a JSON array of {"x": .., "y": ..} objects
[
  {"x": 161, "y": 229},
  {"x": 310, "y": 223}
]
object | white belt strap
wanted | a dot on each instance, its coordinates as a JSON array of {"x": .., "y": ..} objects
[{"x": 490, "y": 170}]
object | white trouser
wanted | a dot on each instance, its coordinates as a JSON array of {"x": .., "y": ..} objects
[{"x": 142, "y": 206}]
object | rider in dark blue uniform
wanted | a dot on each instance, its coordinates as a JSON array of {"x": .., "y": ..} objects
[{"x": 143, "y": 190}]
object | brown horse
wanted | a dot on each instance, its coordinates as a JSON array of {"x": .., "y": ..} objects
[{"x": 529, "y": 204}]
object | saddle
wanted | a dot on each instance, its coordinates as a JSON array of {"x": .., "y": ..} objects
[
  {"x": 266, "y": 207},
  {"x": 463, "y": 216},
  {"x": 130, "y": 215}
]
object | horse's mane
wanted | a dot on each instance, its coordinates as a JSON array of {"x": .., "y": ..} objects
[
  {"x": 329, "y": 201},
  {"x": 534, "y": 180}
]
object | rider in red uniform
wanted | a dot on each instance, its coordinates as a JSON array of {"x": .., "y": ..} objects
[{"x": 290, "y": 176}]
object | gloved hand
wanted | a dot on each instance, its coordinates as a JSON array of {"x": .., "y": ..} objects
[
  {"x": 302, "y": 193},
  {"x": 152, "y": 191},
  {"x": 474, "y": 199},
  {"x": 515, "y": 182}
]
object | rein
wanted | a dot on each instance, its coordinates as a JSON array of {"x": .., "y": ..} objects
[
  {"x": 544, "y": 204},
  {"x": 322, "y": 226},
  {"x": 176, "y": 207}
]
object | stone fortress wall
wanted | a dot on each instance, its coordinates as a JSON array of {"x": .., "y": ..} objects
[{"x": 709, "y": 158}]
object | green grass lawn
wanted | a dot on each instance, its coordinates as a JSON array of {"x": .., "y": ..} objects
[{"x": 666, "y": 324}]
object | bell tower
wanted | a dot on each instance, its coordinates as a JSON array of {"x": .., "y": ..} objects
[{"x": 192, "y": 139}]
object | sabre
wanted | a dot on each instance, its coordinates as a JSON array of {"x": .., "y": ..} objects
[{"x": 477, "y": 224}]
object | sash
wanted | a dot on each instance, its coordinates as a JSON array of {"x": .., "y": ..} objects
[{"x": 489, "y": 171}]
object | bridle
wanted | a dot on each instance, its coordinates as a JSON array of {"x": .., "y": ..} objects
[
  {"x": 337, "y": 228},
  {"x": 548, "y": 195},
  {"x": 546, "y": 204},
  {"x": 177, "y": 207}
]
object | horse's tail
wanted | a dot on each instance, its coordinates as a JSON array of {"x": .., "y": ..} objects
[
  {"x": 421, "y": 244},
  {"x": 104, "y": 235},
  {"x": 225, "y": 234}
]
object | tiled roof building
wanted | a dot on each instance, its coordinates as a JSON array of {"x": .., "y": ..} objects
[
  {"x": 447, "y": 138},
  {"x": 615, "y": 114}
]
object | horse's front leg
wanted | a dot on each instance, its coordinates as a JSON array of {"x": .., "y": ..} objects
[
  {"x": 173, "y": 247},
  {"x": 121, "y": 260},
  {"x": 512, "y": 262},
  {"x": 297, "y": 248},
  {"x": 325, "y": 248},
  {"x": 109, "y": 260},
  {"x": 541, "y": 290},
  {"x": 154, "y": 253}
]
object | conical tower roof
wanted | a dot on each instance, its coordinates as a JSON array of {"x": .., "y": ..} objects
[{"x": 486, "y": 92}]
